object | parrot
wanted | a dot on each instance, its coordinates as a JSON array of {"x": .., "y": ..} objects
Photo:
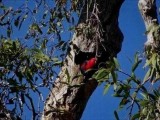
[{"x": 88, "y": 64}]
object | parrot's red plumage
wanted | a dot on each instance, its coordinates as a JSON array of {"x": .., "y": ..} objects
[{"x": 89, "y": 64}]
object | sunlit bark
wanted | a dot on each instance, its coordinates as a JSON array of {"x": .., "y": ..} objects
[
  {"x": 148, "y": 11},
  {"x": 72, "y": 89}
]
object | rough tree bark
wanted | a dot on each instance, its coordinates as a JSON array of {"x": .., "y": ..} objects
[
  {"x": 72, "y": 89},
  {"x": 148, "y": 11}
]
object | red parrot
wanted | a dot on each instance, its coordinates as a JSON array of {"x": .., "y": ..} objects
[{"x": 89, "y": 64}]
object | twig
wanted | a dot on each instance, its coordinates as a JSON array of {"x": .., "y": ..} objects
[{"x": 6, "y": 13}]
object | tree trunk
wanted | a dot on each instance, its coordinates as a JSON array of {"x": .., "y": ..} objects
[
  {"x": 73, "y": 87},
  {"x": 149, "y": 14}
]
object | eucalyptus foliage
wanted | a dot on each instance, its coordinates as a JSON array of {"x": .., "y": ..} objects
[
  {"x": 32, "y": 48},
  {"x": 30, "y": 60}
]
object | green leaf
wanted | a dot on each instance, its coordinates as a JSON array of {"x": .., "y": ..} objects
[
  {"x": 153, "y": 74},
  {"x": 115, "y": 86},
  {"x": 59, "y": 24},
  {"x": 40, "y": 57},
  {"x": 136, "y": 116},
  {"x": 123, "y": 102},
  {"x": 145, "y": 95},
  {"x": 116, "y": 115},
  {"x": 36, "y": 50},
  {"x": 101, "y": 74},
  {"x": 44, "y": 44},
  {"x": 148, "y": 62},
  {"x": 36, "y": 27},
  {"x": 154, "y": 60},
  {"x": 117, "y": 95},
  {"x": 116, "y": 62},
  {"x": 137, "y": 61},
  {"x": 144, "y": 102},
  {"x": 145, "y": 111},
  {"x": 134, "y": 67},
  {"x": 114, "y": 76},
  {"x": 58, "y": 63},
  {"x": 157, "y": 93},
  {"x": 55, "y": 59},
  {"x": 107, "y": 86},
  {"x": 147, "y": 75}
]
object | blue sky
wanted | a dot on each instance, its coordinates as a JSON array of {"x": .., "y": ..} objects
[{"x": 101, "y": 107}]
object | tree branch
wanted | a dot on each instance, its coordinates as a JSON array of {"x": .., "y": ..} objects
[
  {"x": 102, "y": 40},
  {"x": 148, "y": 11}
]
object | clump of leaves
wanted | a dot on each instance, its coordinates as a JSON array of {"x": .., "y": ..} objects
[
  {"x": 149, "y": 106},
  {"x": 29, "y": 63},
  {"x": 23, "y": 70},
  {"x": 153, "y": 73},
  {"x": 132, "y": 92},
  {"x": 108, "y": 74}
]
